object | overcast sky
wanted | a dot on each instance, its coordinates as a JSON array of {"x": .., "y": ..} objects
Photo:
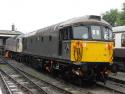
[{"x": 30, "y": 15}]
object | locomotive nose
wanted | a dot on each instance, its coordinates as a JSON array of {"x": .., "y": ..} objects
[
  {"x": 91, "y": 51},
  {"x": 97, "y": 52}
]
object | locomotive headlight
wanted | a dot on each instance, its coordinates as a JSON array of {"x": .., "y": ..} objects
[
  {"x": 106, "y": 45},
  {"x": 109, "y": 46},
  {"x": 84, "y": 45}
]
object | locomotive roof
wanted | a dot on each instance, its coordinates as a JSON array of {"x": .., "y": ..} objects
[
  {"x": 30, "y": 34},
  {"x": 85, "y": 19},
  {"x": 89, "y": 19}
]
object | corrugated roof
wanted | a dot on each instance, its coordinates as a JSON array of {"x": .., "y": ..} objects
[
  {"x": 9, "y": 32},
  {"x": 119, "y": 29}
]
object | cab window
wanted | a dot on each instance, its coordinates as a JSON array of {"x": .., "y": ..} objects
[
  {"x": 110, "y": 34},
  {"x": 96, "y": 32},
  {"x": 65, "y": 33},
  {"x": 80, "y": 32},
  {"x": 107, "y": 33}
]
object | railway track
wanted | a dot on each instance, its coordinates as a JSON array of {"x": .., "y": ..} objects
[
  {"x": 114, "y": 84},
  {"x": 98, "y": 89},
  {"x": 116, "y": 80},
  {"x": 12, "y": 86},
  {"x": 116, "y": 87},
  {"x": 20, "y": 80},
  {"x": 46, "y": 86},
  {"x": 110, "y": 85}
]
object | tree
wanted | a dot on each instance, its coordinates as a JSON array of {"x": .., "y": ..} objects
[
  {"x": 111, "y": 16},
  {"x": 121, "y": 17},
  {"x": 115, "y": 17}
]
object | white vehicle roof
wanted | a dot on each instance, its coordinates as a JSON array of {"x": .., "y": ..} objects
[{"x": 119, "y": 29}]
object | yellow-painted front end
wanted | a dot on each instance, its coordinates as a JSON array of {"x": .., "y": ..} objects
[{"x": 91, "y": 51}]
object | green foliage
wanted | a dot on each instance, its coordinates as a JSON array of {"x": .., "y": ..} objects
[
  {"x": 111, "y": 16},
  {"x": 121, "y": 19},
  {"x": 115, "y": 17}
]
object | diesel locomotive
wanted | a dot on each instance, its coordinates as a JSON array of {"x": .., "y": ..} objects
[{"x": 78, "y": 49}]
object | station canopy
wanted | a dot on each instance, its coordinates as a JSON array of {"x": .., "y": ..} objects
[{"x": 9, "y": 33}]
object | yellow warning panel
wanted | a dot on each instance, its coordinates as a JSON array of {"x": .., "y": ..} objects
[{"x": 91, "y": 51}]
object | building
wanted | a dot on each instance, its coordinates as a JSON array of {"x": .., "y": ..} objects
[
  {"x": 5, "y": 34},
  {"x": 119, "y": 36}
]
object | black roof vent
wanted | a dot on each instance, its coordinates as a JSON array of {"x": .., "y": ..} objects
[{"x": 95, "y": 17}]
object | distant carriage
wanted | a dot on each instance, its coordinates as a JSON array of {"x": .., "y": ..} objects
[{"x": 119, "y": 38}]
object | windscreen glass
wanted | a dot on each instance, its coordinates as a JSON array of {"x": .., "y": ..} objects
[
  {"x": 80, "y": 32},
  {"x": 110, "y": 34},
  {"x": 92, "y": 32},
  {"x": 96, "y": 32}
]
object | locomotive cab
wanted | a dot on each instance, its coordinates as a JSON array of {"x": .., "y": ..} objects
[
  {"x": 88, "y": 46},
  {"x": 93, "y": 43},
  {"x": 86, "y": 43}
]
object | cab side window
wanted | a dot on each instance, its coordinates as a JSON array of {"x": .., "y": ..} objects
[{"x": 65, "y": 33}]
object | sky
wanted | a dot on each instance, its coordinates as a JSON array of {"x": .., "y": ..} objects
[{"x": 30, "y": 15}]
